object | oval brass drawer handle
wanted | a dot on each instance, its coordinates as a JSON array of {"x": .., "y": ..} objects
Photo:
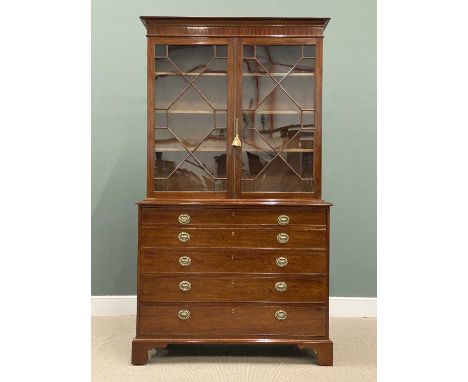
[
  {"x": 281, "y": 261},
  {"x": 281, "y": 286},
  {"x": 184, "y": 237},
  {"x": 185, "y": 286},
  {"x": 282, "y": 238},
  {"x": 283, "y": 220},
  {"x": 185, "y": 261},
  {"x": 281, "y": 315},
  {"x": 184, "y": 314},
  {"x": 184, "y": 218}
]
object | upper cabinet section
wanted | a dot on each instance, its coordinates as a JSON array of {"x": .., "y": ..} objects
[
  {"x": 234, "y": 107},
  {"x": 234, "y": 26}
]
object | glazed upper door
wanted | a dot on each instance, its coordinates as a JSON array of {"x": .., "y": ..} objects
[
  {"x": 278, "y": 110},
  {"x": 189, "y": 117}
]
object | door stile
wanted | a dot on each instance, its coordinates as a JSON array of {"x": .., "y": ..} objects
[
  {"x": 231, "y": 105},
  {"x": 237, "y": 42}
]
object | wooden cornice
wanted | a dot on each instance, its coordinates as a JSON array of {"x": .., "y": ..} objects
[{"x": 234, "y": 26}]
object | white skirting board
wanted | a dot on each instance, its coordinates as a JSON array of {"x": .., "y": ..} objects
[{"x": 339, "y": 306}]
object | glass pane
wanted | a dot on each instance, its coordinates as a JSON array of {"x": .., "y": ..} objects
[
  {"x": 307, "y": 186},
  {"x": 308, "y": 119},
  {"x": 278, "y": 177},
  {"x": 168, "y": 89},
  {"x": 255, "y": 89},
  {"x": 169, "y": 153},
  {"x": 298, "y": 153},
  {"x": 190, "y": 118},
  {"x": 277, "y": 129},
  {"x": 253, "y": 67},
  {"x": 160, "y": 118},
  {"x": 212, "y": 85},
  {"x": 309, "y": 51},
  {"x": 160, "y": 50},
  {"x": 191, "y": 58},
  {"x": 190, "y": 128},
  {"x": 278, "y": 118},
  {"x": 166, "y": 66},
  {"x": 212, "y": 153},
  {"x": 221, "y": 51},
  {"x": 278, "y": 100},
  {"x": 300, "y": 89},
  {"x": 248, "y": 51},
  {"x": 190, "y": 176},
  {"x": 256, "y": 153},
  {"x": 160, "y": 185},
  {"x": 278, "y": 58},
  {"x": 221, "y": 119},
  {"x": 220, "y": 185}
]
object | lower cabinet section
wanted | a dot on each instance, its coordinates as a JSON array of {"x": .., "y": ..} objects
[
  {"x": 232, "y": 275},
  {"x": 197, "y": 320}
]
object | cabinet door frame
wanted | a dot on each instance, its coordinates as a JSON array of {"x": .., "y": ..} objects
[
  {"x": 152, "y": 41},
  {"x": 317, "y": 176}
]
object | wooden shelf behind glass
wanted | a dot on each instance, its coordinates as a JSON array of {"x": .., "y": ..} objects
[
  {"x": 253, "y": 74},
  {"x": 174, "y": 149}
]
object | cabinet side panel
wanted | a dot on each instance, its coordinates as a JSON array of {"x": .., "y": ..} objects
[
  {"x": 318, "y": 120},
  {"x": 150, "y": 120}
]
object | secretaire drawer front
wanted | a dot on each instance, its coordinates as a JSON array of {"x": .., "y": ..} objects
[
  {"x": 260, "y": 216},
  {"x": 204, "y": 321},
  {"x": 249, "y": 260},
  {"x": 187, "y": 288},
  {"x": 240, "y": 237}
]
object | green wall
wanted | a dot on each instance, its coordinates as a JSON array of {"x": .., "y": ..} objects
[{"x": 119, "y": 131}]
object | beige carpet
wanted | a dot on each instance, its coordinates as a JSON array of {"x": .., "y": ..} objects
[{"x": 354, "y": 352}]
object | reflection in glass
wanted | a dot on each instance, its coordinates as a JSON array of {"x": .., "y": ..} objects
[
  {"x": 221, "y": 51},
  {"x": 299, "y": 153},
  {"x": 278, "y": 58},
  {"x": 160, "y": 118},
  {"x": 160, "y": 50},
  {"x": 248, "y": 51},
  {"x": 212, "y": 153},
  {"x": 164, "y": 66},
  {"x": 190, "y": 128},
  {"x": 214, "y": 87},
  {"x": 278, "y": 177},
  {"x": 300, "y": 89},
  {"x": 277, "y": 129},
  {"x": 191, "y": 58},
  {"x": 255, "y": 89},
  {"x": 308, "y": 119},
  {"x": 221, "y": 119},
  {"x": 167, "y": 89},
  {"x": 256, "y": 153},
  {"x": 308, "y": 51},
  {"x": 190, "y": 176}
]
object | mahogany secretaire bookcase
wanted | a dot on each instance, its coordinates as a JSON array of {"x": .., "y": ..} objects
[{"x": 233, "y": 237}]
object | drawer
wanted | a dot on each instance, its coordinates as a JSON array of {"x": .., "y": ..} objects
[
  {"x": 188, "y": 237},
  {"x": 267, "y": 215},
  {"x": 190, "y": 288},
  {"x": 231, "y": 320},
  {"x": 247, "y": 260}
]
